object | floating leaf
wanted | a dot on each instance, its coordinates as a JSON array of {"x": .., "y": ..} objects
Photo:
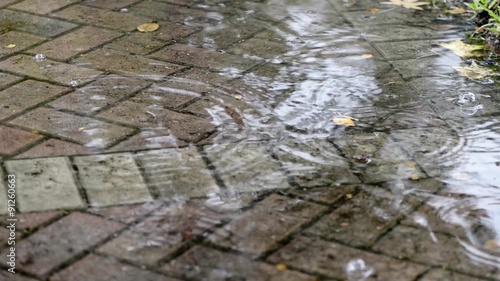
[
  {"x": 367, "y": 56},
  {"x": 373, "y": 11},
  {"x": 346, "y": 122},
  {"x": 238, "y": 97},
  {"x": 414, "y": 178},
  {"x": 408, "y": 4},
  {"x": 457, "y": 11},
  {"x": 148, "y": 27},
  {"x": 475, "y": 72},
  {"x": 10, "y": 46},
  {"x": 461, "y": 49},
  {"x": 349, "y": 196},
  {"x": 281, "y": 267},
  {"x": 35, "y": 132}
]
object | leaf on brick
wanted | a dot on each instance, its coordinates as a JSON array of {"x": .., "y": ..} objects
[{"x": 148, "y": 27}]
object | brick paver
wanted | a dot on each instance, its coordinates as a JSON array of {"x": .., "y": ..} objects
[
  {"x": 278, "y": 217},
  {"x": 44, "y": 184},
  {"x": 329, "y": 258},
  {"x": 111, "y": 180},
  {"x": 161, "y": 234},
  {"x": 13, "y": 139},
  {"x": 62, "y": 240},
  {"x": 25, "y": 95},
  {"x": 83, "y": 130},
  {"x": 205, "y": 149},
  {"x": 74, "y": 43},
  {"x": 98, "y": 268},
  {"x": 49, "y": 6},
  {"x": 199, "y": 262},
  {"x": 49, "y": 70}
]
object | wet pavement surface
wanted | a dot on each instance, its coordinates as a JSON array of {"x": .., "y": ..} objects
[{"x": 216, "y": 147}]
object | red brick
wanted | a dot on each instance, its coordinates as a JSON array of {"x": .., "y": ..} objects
[
  {"x": 109, "y": 4},
  {"x": 12, "y": 140},
  {"x": 127, "y": 213},
  {"x": 26, "y": 94},
  {"x": 92, "y": 16},
  {"x": 83, "y": 130},
  {"x": 61, "y": 241},
  {"x": 199, "y": 262},
  {"x": 97, "y": 268},
  {"x": 270, "y": 221},
  {"x": 54, "y": 147},
  {"x": 76, "y": 42},
  {"x": 329, "y": 259},
  {"x": 122, "y": 63},
  {"x": 161, "y": 234},
  {"x": 27, "y": 222},
  {"x": 33, "y": 6},
  {"x": 186, "y": 127},
  {"x": 149, "y": 139}
]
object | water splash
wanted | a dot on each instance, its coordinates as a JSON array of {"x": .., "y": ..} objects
[{"x": 358, "y": 270}]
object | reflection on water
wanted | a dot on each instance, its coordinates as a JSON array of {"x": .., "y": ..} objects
[{"x": 271, "y": 113}]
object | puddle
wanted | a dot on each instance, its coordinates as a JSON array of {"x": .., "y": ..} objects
[{"x": 250, "y": 90}]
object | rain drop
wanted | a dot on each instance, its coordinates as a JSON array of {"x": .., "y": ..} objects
[
  {"x": 39, "y": 57},
  {"x": 357, "y": 270}
]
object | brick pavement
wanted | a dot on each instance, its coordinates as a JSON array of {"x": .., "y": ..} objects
[{"x": 159, "y": 156}]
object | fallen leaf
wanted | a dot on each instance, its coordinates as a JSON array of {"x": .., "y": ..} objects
[
  {"x": 346, "y": 122},
  {"x": 414, "y": 178},
  {"x": 475, "y": 72},
  {"x": 35, "y": 132},
  {"x": 349, "y": 196},
  {"x": 373, "y": 11},
  {"x": 148, "y": 27},
  {"x": 457, "y": 11},
  {"x": 461, "y": 49},
  {"x": 492, "y": 244},
  {"x": 442, "y": 27},
  {"x": 410, "y": 164},
  {"x": 238, "y": 97},
  {"x": 408, "y": 4},
  {"x": 281, "y": 267},
  {"x": 461, "y": 176},
  {"x": 10, "y": 46},
  {"x": 367, "y": 56}
]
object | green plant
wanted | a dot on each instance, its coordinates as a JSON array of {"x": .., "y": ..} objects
[{"x": 490, "y": 7}]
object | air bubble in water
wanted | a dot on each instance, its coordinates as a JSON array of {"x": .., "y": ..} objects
[
  {"x": 357, "y": 270},
  {"x": 73, "y": 83},
  {"x": 124, "y": 10},
  {"x": 39, "y": 57}
]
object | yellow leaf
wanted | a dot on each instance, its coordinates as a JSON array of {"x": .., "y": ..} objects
[
  {"x": 457, "y": 11},
  {"x": 238, "y": 97},
  {"x": 281, "y": 267},
  {"x": 414, "y": 178},
  {"x": 492, "y": 244},
  {"x": 349, "y": 196},
  {"x": 373, "y": 11},
  {"x": 10, "y": 46},
  {"x": 410, "y": 164},
  {"x": 461, "y": 49},
  {"x": 475, "y": 72},
  {"x": 408, "y": 4},
  {"x": 35, "y": 132},
  {"x": 148, "y": 27},
  {"x": 367, "y": 56},
  {"x": 346, "y": 122}
]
